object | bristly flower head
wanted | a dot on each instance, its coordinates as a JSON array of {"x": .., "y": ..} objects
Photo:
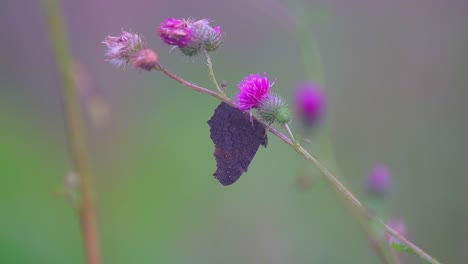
[
  {"x": 379, "y": 180},
  {"x": 121, "y": 49},
  {"x": 310, "y": 103},
  {"x": 191, "y": 36},
  {"x": 176, "y": 31},
  {"x": 273, "y": 109},
  {"x": 211, "y": 38},
  {"x": 252, "y": 91}
]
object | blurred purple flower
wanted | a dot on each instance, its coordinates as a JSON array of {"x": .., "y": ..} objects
[
  {"x": 399, "y": 225},
  {"x": 379, "y": 180},
  {"x": 310, "y": 103},
  {"x": 252, "y": 91},
  {"x": 176, "y": 31}
]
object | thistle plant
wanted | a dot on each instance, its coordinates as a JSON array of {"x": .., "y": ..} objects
[
  {"x": 192, "y": 38},
  {"x": 254, "y": 93}
]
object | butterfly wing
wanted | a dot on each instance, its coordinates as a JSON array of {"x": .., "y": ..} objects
[{"x": 236, "y": 141}]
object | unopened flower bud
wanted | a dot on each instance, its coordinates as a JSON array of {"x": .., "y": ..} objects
[
  {"x": 191, "y": 36},
  {"x": 121, "y": 49},
  {"x": 273, "y": 109},
  {"x": 145, "y": 59},
  {"x": 224, "y": 84},
  {"x": 213, "y": 39},
  {"x": 310, "y": 103},
  {"x": 379, "y": 180}
]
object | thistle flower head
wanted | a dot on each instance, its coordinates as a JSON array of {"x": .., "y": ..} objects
[
  {"x": 176, "y": 31},
  {"x": 191, "y": 36},
  {"x": 212, "y": 38},
  {"x": 252, "y": 91},
  {"x": 274, "y": 109},
  {"x": 121, "y": 49},
  {"x": 379, "y": 180},
  {"x": 310, "y": 103}
]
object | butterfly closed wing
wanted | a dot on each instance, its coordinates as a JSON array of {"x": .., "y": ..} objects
[{"x": 236, "y": 140}]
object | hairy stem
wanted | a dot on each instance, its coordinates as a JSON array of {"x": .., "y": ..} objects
[
  {"x": 333, "y": 180},
  {"x": 211, "y": 72},
  {"x": 59, "y": 43}
]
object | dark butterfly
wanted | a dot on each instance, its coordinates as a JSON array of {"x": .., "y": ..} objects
[{"x": 236, "y": 140}]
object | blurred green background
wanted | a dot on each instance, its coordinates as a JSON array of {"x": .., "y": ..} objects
[{"x": 395, "y": 74}]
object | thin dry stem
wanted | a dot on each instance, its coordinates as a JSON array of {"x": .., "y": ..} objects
[
  {"x": 59, "y": 43},
  {"x": 334, "y": 182}
]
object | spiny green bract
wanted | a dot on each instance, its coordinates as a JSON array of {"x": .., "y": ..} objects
[{"x": 274, "y": 109}]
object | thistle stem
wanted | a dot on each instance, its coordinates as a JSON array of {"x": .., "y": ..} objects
[
  {"x": 211, "y": 72},
  {"x": 290, "y": 132},
  {"x": 331, "y": 179},
  {"x": 85, "y": 210}
]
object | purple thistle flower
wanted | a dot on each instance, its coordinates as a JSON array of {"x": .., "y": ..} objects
[
  {"x": 191, "y": 36},
  {"x": 176, "y": 31},
  {"x": 252, "y": 91},
  {"x": 379, "y": 180},
  {"x": 121, "y": 49},
  {"x": 310, "y": 103}
]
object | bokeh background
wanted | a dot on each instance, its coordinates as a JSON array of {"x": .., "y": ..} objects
[{"x": 395, "y": 73}]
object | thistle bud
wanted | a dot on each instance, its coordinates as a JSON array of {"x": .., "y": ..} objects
[
  {"x": 379, "y": 180},
  {"x": 121, "y": 49},
  {"x": 145, "y": 59},
  {"x": 191, "y": 36},
  {"x": 310, "y": 103},
  {"x": 213, "y": 39},
  {"x": 273, "y": 109},
  {"x": 224, "y": 84}
]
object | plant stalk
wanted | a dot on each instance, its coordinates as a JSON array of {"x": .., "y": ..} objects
[
  {"x": 211, "y": 72},
  {"x": 60, "y": 46},
  {"x": 331, "y": 179}
]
